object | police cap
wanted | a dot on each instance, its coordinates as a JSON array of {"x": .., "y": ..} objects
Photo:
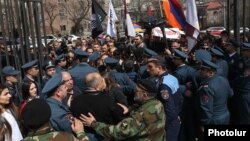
[
  {"x": 48, "y": 64},
  {"x": 202, "y": 54},
  {"x": 94, "y": 56},
  {"x": 9, "y": 71},
  {"x": 246, "y": 46},
  {"x": 54, "y": 82},
  {"x": 208, "y": 64},
  {"x": 233, "y": 42},
  {"x": 110, "y": 61},
  {"x": 216, "y": 52},
  {"x": 60, "y": 57},
  {"x": 179, "y": 54},
  {"x": 30, "y": 64},
  {"x": 148, "y": 52},
  {"x": 81, "y": 54}
]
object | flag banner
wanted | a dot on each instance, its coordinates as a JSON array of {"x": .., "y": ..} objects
[
  {"x": 174, "y": 14},
  {"x": 170, "y": 33},
  {"x": 138, "y": 28},
  {"x": 98, "y": 15},
  {"x": 129, "y": 25},
  {"x": 150, "y": 15},
  {"x": 192, "y": 30},
  {"x": 111, "y": 30}
]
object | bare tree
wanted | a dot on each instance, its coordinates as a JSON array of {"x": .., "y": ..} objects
[
  {"x": 51, "y": 9},
  {"x": 77, "y": 12}
]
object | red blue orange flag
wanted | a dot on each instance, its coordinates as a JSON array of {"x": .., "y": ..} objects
[{"x": 174, "y": 14}]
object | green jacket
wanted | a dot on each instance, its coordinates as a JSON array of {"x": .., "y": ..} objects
[
  {"x": 145, "y": 123},
  {"x": 50, "y": 135}
]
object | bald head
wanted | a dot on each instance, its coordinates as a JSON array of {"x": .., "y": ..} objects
[{"x": 95, "y": 80}]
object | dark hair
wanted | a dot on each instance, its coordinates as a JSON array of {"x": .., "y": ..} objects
[
  {"x": 25, "y": 89},
  {"x": 2, "y": 87},
  {"x": 111, "y": 83},
  {"x": 5, "y": 129}
]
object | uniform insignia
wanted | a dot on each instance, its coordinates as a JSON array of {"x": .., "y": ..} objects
[
  {"x": 204, "y": 98},
  {"x": 124, "y": 125},
  {"x": 164, "y": 94}
]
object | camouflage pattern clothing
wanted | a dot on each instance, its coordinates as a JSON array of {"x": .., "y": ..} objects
[
  {"x": 145, "y": 123},
  {"x": 51, "y": 135}
]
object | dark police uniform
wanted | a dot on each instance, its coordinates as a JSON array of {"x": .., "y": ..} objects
[
  {"x": 221, "y": 63},
  {"x": 47, "y": 65},
  {"x": 80, "y": 71},
  {"x": 26, "y": 67},
  {"x": 10, "y": 71},
  {"x": 172, "y": 101},
  {"x": 186, "y": 74},
  {"x": 214, "y": 93},
  {"x": 60, "y": 114},
  {"x": 57, "y": 59},
  {"x": 127, "y": 85}
]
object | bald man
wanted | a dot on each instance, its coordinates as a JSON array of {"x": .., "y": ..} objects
[{"x": 97, "y": 102}]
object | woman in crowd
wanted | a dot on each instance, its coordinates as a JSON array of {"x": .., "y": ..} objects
[
  {"x": 29, "y": 92},
  {"x": 8, "y": 112}
]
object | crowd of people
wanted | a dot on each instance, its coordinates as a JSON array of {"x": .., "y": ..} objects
[{"x": 138, "y": 89}]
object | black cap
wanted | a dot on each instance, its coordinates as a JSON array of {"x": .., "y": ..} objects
[
  {"x": 30, "y": 65},
  {"x": 9, "y": 71},
  {"x": 208, "y": 64},
  {"x": 179, "y": 54},
  {"x": 216, "y": 52},
  {"x": 36, "y": 113},
  {"x": 48, "y": 64},
  {"x": 53, "y": 82},
  {"x": 202, "y": 54},
  {"x": 147, "y": 85},
  {"x": 110, "y": 61},
  {"x": 148, "y": 52},
  {"x": 246, "y": 46}
]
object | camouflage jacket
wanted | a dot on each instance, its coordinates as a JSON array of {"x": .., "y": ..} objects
[
  {"x": 145, "y": 123},
  {"x": 50, "y": 135}
]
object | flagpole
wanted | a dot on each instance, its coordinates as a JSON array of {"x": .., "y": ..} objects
[{"x": 160, "y": 7}]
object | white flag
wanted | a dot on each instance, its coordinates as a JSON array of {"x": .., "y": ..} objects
[
  {"x": 111, "y": 21},
  {"x": 193, "y": 28}
]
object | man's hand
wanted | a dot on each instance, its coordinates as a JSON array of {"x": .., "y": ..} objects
[{"x": 87, "y": 120}]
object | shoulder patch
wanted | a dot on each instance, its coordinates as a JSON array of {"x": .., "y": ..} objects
[{"x": 164, "y": 94}]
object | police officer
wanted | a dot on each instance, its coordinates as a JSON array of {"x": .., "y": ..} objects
[
  {"x": 121, "y": 78},
  {"x": 146, "y": 122},
  {"x": 233, "y": 59},
  {"x": 31, "y": 71},
  {"x": 214, "y": 92},
  {"x": 186, "y": 76},
  {"x": 217, "y": 58},
  {"x": 56, "y": 91},
  {"x": 39, "y": 128},
  {"x": 61, "y": 63},
  {"x": 241, "y": 100},
  {"x": 168, "y": 87},
  {"x": 82, "y": 68},
  {"x": 49, "y": 68},
  {"x": 11, "y": 77}
]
